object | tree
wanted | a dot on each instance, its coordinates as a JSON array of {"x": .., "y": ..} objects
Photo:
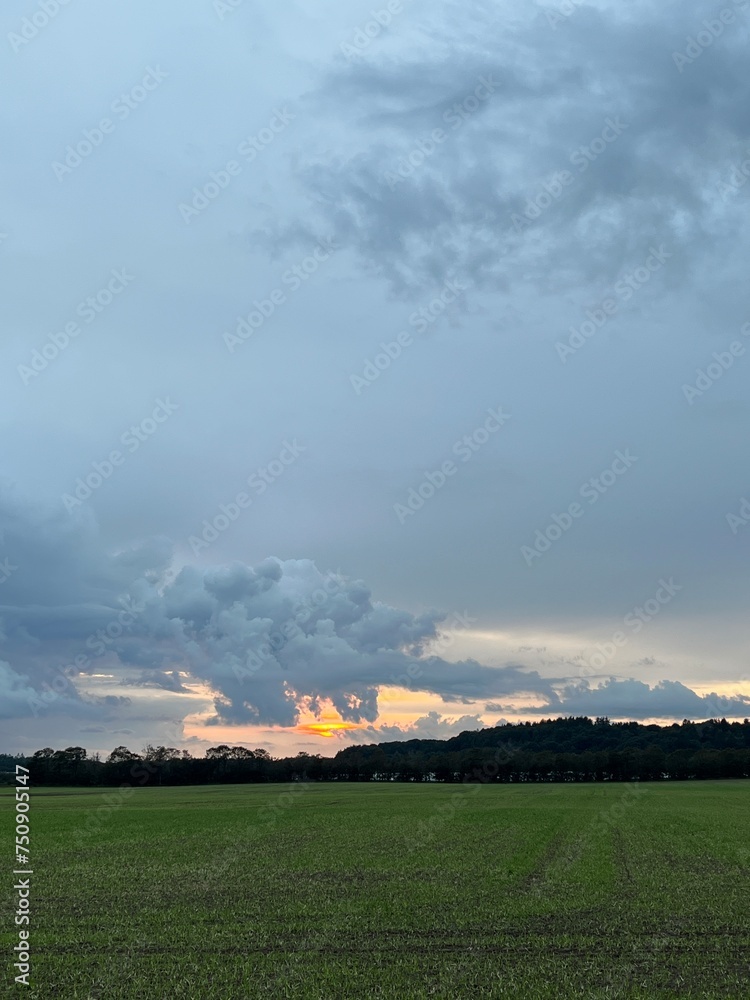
[
  {"x": 121, "y": 755},
  {"x": 160, "y": 754}
]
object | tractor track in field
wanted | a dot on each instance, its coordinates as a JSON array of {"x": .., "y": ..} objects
[
  {"x": 533, "y": 881},
  {"x": 427, "y": 946},
  {"x": 627, "y": 885}
]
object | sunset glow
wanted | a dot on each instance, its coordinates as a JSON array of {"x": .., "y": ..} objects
[{"x": 325, "y": 729}]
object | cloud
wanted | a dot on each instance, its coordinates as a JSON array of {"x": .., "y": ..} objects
[
  {"x": 486, "y": 201},
  {"x": 295, "y": 637},
  {"x": 632, "y": 699},
  {"x": 267, "y": 641},
  {"x": 168, "y": 680},
  {"x": 432, "y": 726}
]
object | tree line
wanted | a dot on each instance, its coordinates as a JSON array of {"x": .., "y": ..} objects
[{"x": 551, "y": 750}]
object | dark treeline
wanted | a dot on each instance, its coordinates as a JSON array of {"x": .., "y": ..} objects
[{"x": 572, "y": 749}]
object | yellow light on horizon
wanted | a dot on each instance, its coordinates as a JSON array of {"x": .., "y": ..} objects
[{"x": 325, "y": 729}]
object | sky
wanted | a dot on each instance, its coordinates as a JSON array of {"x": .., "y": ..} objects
[{"x": 371, "y": 372}]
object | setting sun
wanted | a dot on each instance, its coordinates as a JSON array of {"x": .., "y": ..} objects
[{"x": 326, "y": 729}]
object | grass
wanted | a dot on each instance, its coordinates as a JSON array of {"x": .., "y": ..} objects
[{"x": 389, "y": 891}]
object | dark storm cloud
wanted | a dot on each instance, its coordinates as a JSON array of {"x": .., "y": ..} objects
[
  {"x": 265, "y": 640},
  {"x": 291, "y": 636},
  {"x": 642, "y": 142}
]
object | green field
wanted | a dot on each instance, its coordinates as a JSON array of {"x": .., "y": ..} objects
[{"x": 390, "y": 891}]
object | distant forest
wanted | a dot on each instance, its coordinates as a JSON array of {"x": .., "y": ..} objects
[{"x": 552, "y": 750}]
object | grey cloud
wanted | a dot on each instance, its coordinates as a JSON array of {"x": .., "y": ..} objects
[
  {"x": 453, "y": 214},
  {"x": 266, "y": 639},
  {"x": 633, "y": 699},
  {"x": 432, "y": 726},
  {"x": 169, "y": 681},
  {"x": 267, "y": 653}
]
